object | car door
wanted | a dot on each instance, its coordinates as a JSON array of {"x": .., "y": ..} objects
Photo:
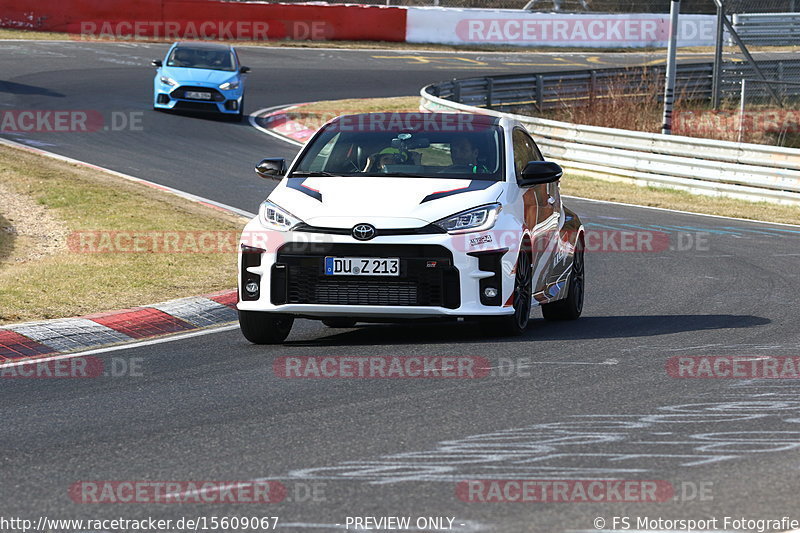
[{"x": 542, "y": 209}]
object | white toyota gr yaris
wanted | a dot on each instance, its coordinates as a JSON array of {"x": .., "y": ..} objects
[{"x": 386, "y": 217}]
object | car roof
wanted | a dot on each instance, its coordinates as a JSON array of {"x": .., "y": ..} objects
[
  {"x": 202, "y": 45},
  {"x": 487, "y": 120}
]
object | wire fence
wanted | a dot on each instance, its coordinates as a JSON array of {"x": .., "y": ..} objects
[{"x": 759, "y": 101}]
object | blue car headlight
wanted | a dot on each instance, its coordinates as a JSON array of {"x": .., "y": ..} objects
[
  {"x": 230, "y": 85},
  {"x": 168, "y": 81}
]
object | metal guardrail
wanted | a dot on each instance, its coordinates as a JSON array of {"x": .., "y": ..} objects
[
  {"x": 554, "y": 90},
  {"x": 748, "y": 171},
  {"x": 768, "y": 28}
]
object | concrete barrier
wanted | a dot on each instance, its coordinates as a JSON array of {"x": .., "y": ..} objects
[{"x": 521, "y": 28}]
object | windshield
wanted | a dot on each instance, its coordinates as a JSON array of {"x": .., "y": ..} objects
[
  {"x": 202, "y": 58},
  {"x": 469, "y": 153}
]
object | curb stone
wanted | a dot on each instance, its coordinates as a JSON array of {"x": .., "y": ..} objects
[{"x": 53, "y": 337}]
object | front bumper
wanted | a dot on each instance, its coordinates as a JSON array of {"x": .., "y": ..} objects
[
  {"x": 227, "y": 102},
  {"x": 441, "y": 275}
]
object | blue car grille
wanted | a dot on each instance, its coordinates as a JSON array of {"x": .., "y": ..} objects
[{"x": 180, "y": 92}]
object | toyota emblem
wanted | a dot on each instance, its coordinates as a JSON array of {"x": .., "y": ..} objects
[{"x": 364, "y": 232}]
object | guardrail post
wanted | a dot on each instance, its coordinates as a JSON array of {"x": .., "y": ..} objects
[
  {"x": 592, "y": 87},
  {"x": 716, "y": 89},
  {"x": 539, "y": 92},
  {"x": 742, "y": 97},
  {"x": 669, "y": 89},
  {"x": 489, "y": 91}
]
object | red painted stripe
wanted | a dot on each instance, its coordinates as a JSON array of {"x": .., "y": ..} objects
[
  {"x": 16, "y": 346},
  {"x": 307, "y": 187},
  {"x": 229, "y": 298},
  {"x": 450, "y": 190},
  {"x": 142, "y": 322}
]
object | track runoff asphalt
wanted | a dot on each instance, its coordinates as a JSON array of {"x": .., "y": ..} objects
[{"x": 562, "y": 407}]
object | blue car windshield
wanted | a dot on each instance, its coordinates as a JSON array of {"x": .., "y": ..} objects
[{"x": 202, "y": 58}]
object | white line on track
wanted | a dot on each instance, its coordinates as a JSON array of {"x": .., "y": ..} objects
[
  {"x": 683, "y": 212},
  {"x": 119, "y": 347},
  {"x": 607, "y": 362}
]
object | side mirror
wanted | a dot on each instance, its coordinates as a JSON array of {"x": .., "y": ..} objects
[
  {"x": 244, "y": 70},
  {"x": 539, "y": 172},
  {"x": 157, "y": 63},
  {"x": 273, "y": 168}
]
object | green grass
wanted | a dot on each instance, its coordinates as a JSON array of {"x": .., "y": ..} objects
[{"x": 72, "y": 282}]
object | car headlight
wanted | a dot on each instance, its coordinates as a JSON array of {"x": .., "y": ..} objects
[
  {"x": 275, "y": 217},
  {"x": 168, "y": 81},
  {"x": 477, "y": 219},
  {"x": 229, "y": 85}
]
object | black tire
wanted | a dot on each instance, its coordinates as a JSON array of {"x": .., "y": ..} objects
[
  {"x": 571, "y": 307},
  {"x": 339, "y": 322},
  {"x": 516, "y": 324},
  {"x": 265, "y": 328}
]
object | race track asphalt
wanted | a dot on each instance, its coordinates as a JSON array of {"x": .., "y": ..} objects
[{"x": 585, "y": 400}]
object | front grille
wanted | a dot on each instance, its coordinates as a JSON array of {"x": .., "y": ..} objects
[
  {"x": 430, "y": 229},
  {"x": 374, "y": 293},
  {"x": 195, "y": 106},
  {"x": 427, "y": 277},
  {"x": 180, "y": 92}
]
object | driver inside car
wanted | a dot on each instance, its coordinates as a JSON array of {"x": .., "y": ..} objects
[
  {"x": 387, "y": 156},
  {"x": 465, "y": 156}
]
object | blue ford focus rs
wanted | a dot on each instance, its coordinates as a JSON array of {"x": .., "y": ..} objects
[{"x": 198, "y": 76}]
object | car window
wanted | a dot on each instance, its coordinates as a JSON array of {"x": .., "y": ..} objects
[
  {"x": 525, "y": 150},
  {"x": 319, "y": 162},
  {"x": 204, "y": 58},
  {"x": 474, "y": 154}
]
